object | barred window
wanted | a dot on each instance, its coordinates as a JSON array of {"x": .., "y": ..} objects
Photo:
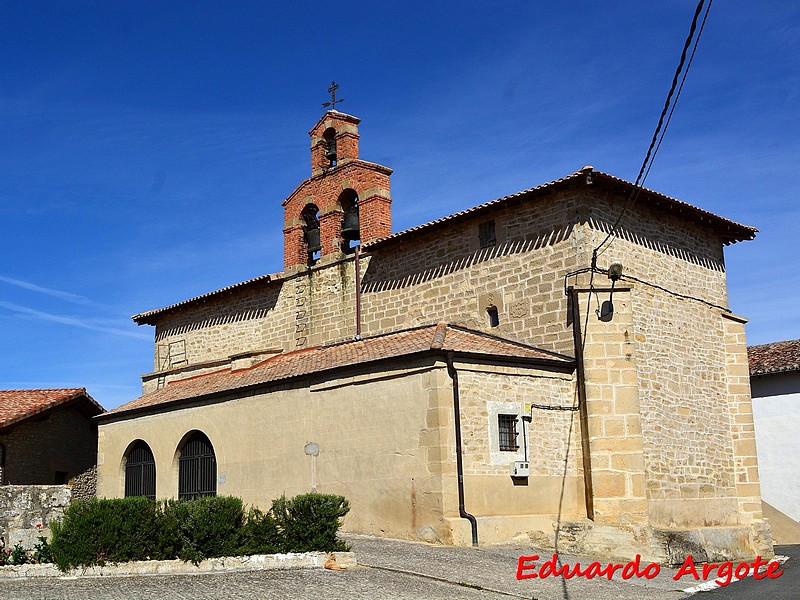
[
  {"x": 197, "y": 468},
  {"x": 486, "y": 234},
  {"x": 140, "y": 472},
  {"x": 507, "y": 427}
]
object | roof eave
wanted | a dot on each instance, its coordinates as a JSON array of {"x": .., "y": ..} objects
[{"x": 554, "y": 363}]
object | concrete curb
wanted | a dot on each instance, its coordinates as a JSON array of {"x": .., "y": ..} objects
[{"x": 257, "y": 562}]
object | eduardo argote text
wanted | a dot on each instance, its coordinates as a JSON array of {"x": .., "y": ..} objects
[{"x": 724, "y": 573}]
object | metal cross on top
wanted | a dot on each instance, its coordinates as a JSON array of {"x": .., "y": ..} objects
[{"x": 332, "y": 92}]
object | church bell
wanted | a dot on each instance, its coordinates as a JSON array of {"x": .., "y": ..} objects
[
  {"x": 330, "y": 150},
  {"x": 312, "y": 240},
  {"x": 350, "y": 229}
]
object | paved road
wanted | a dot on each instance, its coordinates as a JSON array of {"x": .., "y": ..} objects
[
  {"x": 395, "y": 571},
  {"x": 785, "y": 587}
]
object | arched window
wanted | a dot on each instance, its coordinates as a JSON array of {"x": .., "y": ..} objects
[
  {"x": 197, "y": 469},
  {"x": 140, "y": 472}
]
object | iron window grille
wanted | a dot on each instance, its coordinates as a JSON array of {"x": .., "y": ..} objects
[
  {"x": 197, "y": 468},
  {"x": 140, "y": 472},
  {"x": 486, "y": 234},
  {"x": 507, "y": 426}
]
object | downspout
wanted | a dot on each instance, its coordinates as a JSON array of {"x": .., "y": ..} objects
[
  {"x": 358, "y": 292},
  {"x": 462, "y": 512},
  {"x": 575, "y": 315}
]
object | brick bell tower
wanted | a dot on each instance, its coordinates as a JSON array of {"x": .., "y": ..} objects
[{"x": 346, "y": 200}]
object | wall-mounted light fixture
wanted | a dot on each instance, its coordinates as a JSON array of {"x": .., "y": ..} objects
[{"x": 614, "y": 273}]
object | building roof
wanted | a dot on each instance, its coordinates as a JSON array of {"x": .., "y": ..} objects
[
  {"x": 729, "y": 231},
  {"x": 18, "y": 405},
  {"x": 777, "y": 357},
  {"x": 321, "y": 359}
]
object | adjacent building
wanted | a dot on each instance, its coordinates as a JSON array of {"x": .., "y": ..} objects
[
  {"x": 47, "y": 436},
  {"x": 775, "y": 383}
]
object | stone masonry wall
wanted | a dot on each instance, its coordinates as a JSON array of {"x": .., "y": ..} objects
[
  {"x": 26, "y": 512},
  {"x": 424, "y": 280},
  {"x": 681, "y": 360},
  {"x": 553, "y": 436},
  {"x": 435, "y": 277}
]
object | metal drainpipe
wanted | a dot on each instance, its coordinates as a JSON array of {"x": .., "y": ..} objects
[
  {"x": 358, "y": 292},
  {"x": 462, "y": 512},
  {"x": 579, "y": 367}
]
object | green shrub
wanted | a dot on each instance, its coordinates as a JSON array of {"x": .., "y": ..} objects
[
  {"x": 310, "y": 522},
  {"x": 94, "y": 532},
  {"x": 203, "y": 528},
  {"x": 259, "y": 534}
]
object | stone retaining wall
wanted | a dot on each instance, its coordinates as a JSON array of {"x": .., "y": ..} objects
[{"x": 26, "y": 512}]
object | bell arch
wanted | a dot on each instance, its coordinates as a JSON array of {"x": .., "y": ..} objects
[
  {"x": 329, "y": 145},
  {"x": 351, "y": 226},
  {"x": 311, "y": 231}
]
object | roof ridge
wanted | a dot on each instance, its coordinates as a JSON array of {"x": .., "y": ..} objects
[
  {"x": 439, "y": 335},
  {"x": 508, "y": 341},
  {"x": 65, "y": 389}
]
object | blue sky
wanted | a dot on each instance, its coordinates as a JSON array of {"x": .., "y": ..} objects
[{"x": 145, "y": 148}]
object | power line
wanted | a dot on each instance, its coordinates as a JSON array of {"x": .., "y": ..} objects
[{"x": 666, "y": 112}]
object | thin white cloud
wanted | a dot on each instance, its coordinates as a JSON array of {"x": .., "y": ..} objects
[
  {"x": 71, "y": 321},
  {"x": 68, "y": 296}
]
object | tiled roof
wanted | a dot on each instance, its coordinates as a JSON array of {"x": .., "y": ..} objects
[
  {"x": 730, "y": 230},
  {"x": 441, "y": 337},
  {"x": 18, "y": 405},
  {"x": 777, "y": 357}
]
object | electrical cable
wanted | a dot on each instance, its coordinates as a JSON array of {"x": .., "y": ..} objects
[
  {"x": 680, "y": 89},
  {"x": 652, "y": 149}
]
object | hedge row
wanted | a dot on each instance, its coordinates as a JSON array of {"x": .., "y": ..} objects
[{"x": 95, "y": 532}]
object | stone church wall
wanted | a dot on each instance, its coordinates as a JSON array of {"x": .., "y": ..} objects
[
  {"x": 688, "y": 372},
  {"x": 421, "y": 281},
  {"x": 690, "y": 410},
  {"x": 552, "y": 437},
  {"x": 386, "y": 441}
]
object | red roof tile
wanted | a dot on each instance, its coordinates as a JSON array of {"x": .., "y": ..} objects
[
  {"x": 777, "y": 357},
  {"x": 18, "y": 405},
  {"x": 441, "y": 337}
]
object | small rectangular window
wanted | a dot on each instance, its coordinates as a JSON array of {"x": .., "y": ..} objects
[
  {"x": 486, "y": 234},
  {"x": 507, "y": 426}
]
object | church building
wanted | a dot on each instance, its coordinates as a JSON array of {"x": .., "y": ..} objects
[{"x": 557, "y": 367}]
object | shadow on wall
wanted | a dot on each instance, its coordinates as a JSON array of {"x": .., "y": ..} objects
[
  {"x": 257, "y": 305},
  {"x": 393, "y": 270}
]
